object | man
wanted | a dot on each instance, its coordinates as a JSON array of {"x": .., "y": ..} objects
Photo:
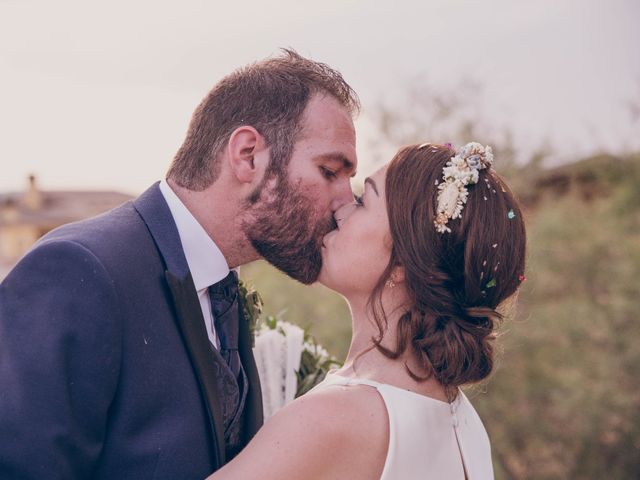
[{"x": 123, "y": 351}]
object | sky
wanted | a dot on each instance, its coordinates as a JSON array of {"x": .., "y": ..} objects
[{"x": 98, "y": 95}]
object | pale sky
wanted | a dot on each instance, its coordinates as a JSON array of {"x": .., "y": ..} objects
[{"x": 99, "y": 94}]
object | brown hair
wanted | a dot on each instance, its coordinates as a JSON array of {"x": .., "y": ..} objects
[
  {"x": 271, "y": 96},
  {"x": 454, "y": 280}
]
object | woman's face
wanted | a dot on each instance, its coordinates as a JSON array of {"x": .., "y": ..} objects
[{"x": 356, "y": 254}]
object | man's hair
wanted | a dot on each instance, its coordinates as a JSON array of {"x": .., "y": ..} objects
[{"x": 271, "y": 96}]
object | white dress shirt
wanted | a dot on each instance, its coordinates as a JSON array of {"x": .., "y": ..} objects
[{"x": 206, "y": 262}]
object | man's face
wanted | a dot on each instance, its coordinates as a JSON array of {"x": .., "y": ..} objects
[{"x": 294, "y": 213}]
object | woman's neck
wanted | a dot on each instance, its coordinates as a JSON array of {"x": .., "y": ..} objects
[
  {"x": 364, "y": 360},
  {"x": 363, "y": 355}
]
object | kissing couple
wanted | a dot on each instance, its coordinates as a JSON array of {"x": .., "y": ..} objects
[{"x": 124, "y": 352}]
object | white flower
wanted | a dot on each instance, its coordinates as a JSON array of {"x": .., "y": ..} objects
[
  {"x": 463, "y": 169},
  {"x": 449, "y": 197}
]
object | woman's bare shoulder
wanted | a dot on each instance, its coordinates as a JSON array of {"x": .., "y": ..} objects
[
  {"x": 352, "y": 412},
  {"x": 332, "y": 432}
]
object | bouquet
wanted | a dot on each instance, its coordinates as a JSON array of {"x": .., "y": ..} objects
[{"x": 290, "y": 361}]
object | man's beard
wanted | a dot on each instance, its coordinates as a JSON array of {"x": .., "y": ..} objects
[{"x": 285, "y": 231}]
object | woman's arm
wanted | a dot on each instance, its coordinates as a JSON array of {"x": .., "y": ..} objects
[{"x": 339, "y": 432}]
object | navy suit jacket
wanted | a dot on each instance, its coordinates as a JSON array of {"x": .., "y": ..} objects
[{"x": 105, "y": 364}]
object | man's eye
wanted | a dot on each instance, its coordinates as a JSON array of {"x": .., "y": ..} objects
[
  {"x": 358, "y": 199},
  {"x": 328, "y": 173}
]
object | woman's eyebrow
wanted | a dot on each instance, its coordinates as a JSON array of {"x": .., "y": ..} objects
[{"x": 371, "y": 182}]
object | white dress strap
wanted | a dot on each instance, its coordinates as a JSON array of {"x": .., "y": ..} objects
[{"x": 335, "y": 379}]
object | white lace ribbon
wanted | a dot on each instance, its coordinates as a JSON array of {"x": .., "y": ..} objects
[{"x": 278, "y": 353}]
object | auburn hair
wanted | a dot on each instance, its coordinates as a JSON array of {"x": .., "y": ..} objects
[{"x": 455, "y": 280}]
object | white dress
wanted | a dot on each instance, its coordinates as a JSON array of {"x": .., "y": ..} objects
[{"x": 429, "y": 438}]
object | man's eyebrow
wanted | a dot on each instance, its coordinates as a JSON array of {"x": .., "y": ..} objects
[
  {"x": 371, "y": 182},
  {"x": 338, "y": 157}
]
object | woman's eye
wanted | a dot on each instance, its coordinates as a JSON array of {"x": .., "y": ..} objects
[
  {"x": 358, "y": 199},
  {"x": 328, "y": 173}
]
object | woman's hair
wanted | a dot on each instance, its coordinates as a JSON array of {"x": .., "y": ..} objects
[{"x": 454, "y": 280}]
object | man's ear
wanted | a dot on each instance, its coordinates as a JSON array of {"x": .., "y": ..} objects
[{"x": 244, "y": 143}]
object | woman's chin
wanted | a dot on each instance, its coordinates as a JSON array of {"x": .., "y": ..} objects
[{"x": 324, "y": 279}]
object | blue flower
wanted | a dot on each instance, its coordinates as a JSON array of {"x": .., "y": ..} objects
[{"x": 474, "y": 161}]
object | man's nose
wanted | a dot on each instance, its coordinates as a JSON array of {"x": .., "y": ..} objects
[{"x": 344, "y": 196}]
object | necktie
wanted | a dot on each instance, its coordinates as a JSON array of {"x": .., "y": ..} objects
[{"x": 226, "y": 318}]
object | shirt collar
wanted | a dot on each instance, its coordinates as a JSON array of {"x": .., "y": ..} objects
[{"x": 206, "y": 262}]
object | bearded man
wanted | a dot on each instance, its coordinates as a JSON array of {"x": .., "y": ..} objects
[{"x": 123, "y": 348}]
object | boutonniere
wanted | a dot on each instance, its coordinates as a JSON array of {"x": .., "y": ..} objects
[{"x": 251, "y": 307}]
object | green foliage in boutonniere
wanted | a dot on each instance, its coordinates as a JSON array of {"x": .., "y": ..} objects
[{"x": 251, "y": 306}]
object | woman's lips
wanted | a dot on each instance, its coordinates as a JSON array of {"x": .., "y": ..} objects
[{"x": 327, "y": 236}]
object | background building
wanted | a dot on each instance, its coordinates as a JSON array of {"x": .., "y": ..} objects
[{"x": 28, "y": 215}]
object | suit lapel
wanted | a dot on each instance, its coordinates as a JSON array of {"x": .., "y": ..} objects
[
  {"x": 194, "y": 334},
  {"x": 254, "y": 412},
  {"x": 155, "y": 212}
]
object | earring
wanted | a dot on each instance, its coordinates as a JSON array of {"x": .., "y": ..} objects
[{"x": 390, "y": 283}]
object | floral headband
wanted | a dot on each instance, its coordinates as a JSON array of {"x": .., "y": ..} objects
[{"x": 463, "y": 169}]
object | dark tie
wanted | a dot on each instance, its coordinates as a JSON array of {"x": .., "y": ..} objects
[{"x": 224, "y": 306}]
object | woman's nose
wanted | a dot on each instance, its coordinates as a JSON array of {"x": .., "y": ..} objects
[{"x": 344, "y": 212}]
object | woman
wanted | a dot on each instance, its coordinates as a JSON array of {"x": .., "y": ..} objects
[{"x": 426, "y": 255}]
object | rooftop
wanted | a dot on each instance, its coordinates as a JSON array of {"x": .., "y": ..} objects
[{"x": 37, "y": 207}]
